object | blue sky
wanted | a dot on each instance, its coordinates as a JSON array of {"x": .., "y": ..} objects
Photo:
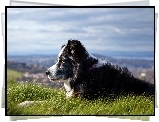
[{"x": 44, "y": 30}]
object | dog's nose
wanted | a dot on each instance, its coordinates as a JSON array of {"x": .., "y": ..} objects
[{"x": 47, "y": 72}]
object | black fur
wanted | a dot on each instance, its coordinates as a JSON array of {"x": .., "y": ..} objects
[{"x": 93, "y": 82}]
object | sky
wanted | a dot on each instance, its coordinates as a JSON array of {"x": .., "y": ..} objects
[{"x": 101, "y": 30}]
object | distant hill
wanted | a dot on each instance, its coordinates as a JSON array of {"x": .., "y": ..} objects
[
  {"x": 39, "y": 64},
  {"x": 129, "y": 63},
  {"x": 23, "y": 67},
  {"x": 48, "y": 60}
]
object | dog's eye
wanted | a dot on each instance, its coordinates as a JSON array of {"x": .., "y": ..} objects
[{"x": 60, "y": 61}]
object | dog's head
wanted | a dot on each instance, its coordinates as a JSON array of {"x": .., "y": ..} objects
[
  {"x": 71, "y": 55},
  {"x": 63, "y": 69}
]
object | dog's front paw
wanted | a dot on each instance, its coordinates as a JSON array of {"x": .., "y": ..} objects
[{"x": 70, "y": 93}]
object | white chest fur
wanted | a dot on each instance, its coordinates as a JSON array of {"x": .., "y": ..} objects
[
  {"x": 69, "y": 91},
  {"x": 67, "y": 86}
]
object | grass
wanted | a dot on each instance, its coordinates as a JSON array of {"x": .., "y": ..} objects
[
  {"x": 55, "y": 102},
  {"x": 13, "y": 74}
]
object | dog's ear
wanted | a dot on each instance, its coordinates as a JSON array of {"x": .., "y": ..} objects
[{"x": 76, "y": 50}]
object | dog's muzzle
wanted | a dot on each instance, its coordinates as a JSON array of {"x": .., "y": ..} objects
[
  {"x": 53, "y": 79},
  {"x": 48, "y": 74}
]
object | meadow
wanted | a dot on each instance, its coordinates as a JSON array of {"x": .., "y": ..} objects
[{"x": 54, "y": 101}]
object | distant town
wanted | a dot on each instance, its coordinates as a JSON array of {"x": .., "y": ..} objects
[{"x": 33, "y": 67}]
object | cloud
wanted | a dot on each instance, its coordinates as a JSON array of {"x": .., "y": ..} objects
[{"x": 113, "y": 29}]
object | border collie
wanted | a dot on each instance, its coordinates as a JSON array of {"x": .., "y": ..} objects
[{"x": 86, "y": 76}]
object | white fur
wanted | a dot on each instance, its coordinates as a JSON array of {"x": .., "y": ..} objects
[
  {"x": 61, "y": 51},
  {"x": 70, "y": 94},
  {"x": 67, "y": 85},
  {"x": 53, "y": 69},
  {"x": 90, "y": 55},
  {"x": 100, "y": 62},
  {"x": 69, "y": 91}
]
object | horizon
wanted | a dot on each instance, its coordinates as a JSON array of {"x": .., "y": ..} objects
[{"x": 123, "y": 55}]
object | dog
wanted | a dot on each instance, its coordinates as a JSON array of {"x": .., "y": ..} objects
[{"x": 88, "y": 77}]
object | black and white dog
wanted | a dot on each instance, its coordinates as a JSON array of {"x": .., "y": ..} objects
[{"x": 86, "y": 76}]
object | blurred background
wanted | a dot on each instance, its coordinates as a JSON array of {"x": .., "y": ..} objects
[{"x": 123, "y": 36}]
